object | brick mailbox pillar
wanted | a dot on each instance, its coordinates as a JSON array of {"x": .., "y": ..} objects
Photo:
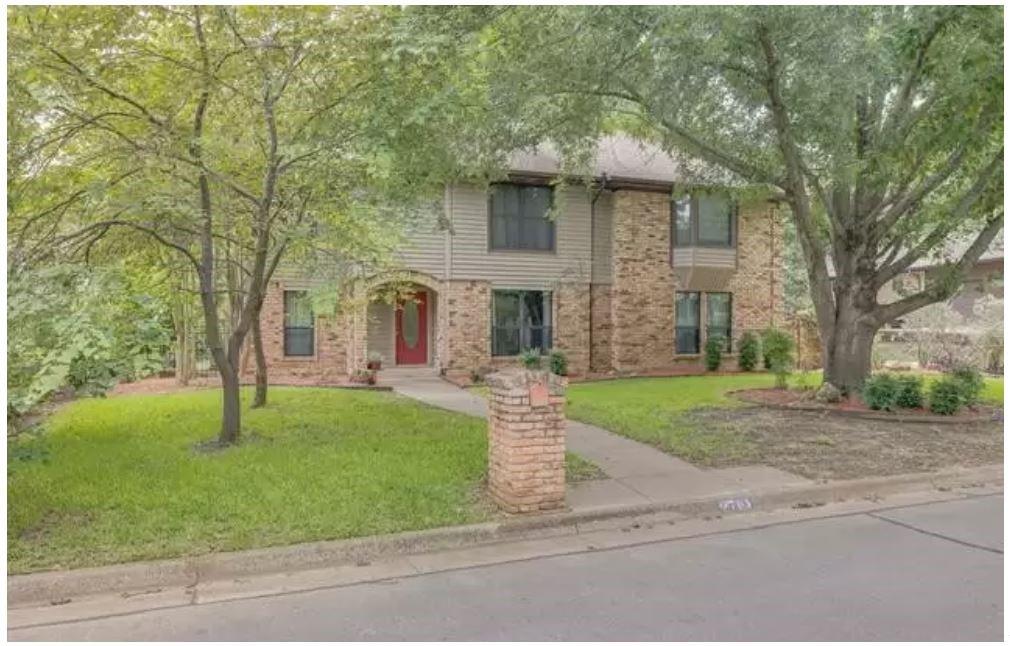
[{"x": 526, "y": 440}]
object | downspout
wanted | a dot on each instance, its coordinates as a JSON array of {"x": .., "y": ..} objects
[{"x": 592, "y": 258}]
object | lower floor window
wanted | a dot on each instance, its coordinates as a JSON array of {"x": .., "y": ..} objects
[
  {"x": 719, "y": 312},
  {"x": 521, "y": 320},
  {"x": 688, "y": 322},
  {"x": 299, "y": 325}
]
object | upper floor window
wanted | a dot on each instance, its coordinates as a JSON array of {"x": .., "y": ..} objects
[
  {"x": 704, "y": 221},
  {"x": 519, "y": 217},
  {"x": 299, "y": 324}
]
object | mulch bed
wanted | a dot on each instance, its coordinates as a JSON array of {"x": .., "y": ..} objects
[
  {"x": 824, "y": 446},
  {"x": 854, "y": 407},
  {"x": 165, "y": 385}
]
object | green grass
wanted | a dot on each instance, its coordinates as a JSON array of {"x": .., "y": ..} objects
[
  {"x": 992, "y": 394},
  {"x": 651, "y": 410},
  {"x": 577, "y": 468},
  {"x": 112, "y": 480}
]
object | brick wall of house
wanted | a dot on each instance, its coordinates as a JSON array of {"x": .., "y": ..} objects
[
  {"x": 328, "y": 363},
  {"x": 571, "y": 325},
  {"x": 642, "y": 295},
  {"x": 757, "y": 283},
  {"x": 465, "y": 322},
  {"x": 602, "y": 329}
]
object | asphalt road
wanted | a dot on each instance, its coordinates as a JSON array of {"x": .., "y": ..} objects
[{"x": 929, "y": 572}]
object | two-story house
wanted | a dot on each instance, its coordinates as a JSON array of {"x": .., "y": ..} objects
[{"x": 621, "y": 276}]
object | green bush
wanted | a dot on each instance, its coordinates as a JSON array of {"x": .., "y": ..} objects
[
  {"x": 713, "y": 352},
  {"x": 530, "y": 359},
  {"x": 778, "y": 354},
  {"x": 750, "y": 348},
  {"x": 880, "y": 392},
  {"x": 971, "y": 383},
  {"x": 945, "y": 396},
  {"x": 909, "y": 392},
  {"x": 559, "y": 363}
]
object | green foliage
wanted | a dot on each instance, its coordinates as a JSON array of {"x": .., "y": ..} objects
[
  {"x": 559, "y": 363},
  {"x": 68, "y": 326},
  {"x": 750, "y": 349},
  {"x": 713, "y": 352},
  {"x": 777, "y": 346},
  {"x": 945, "y": 396},
  {"x": 970, "y": 382},
  {"x": 880, "y": 392},
  {"x": 909, "y": 393},
  {"x": 531, "y": 359}
]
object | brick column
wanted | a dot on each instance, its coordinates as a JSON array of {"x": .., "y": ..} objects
[{"x": 526, "y": 440}]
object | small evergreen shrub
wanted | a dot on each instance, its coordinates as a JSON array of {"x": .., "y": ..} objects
[
  {"x": 530, "y": 359},
  {"x": 945, "y": 396},
  {"x": 909, "y": 392},
  {"x": 778, "y": 353},
  {"x": 713, "y": 352},
  {"x": 880, "y": 392},
  {"x": 970, "y": 381},
  {"x": 559, "y": 363},
  {"x": 750, "y": 348}
]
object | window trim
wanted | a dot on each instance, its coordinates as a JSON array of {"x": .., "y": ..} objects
[
  {"x": 490, "y": 220},
  {"x": 695, "y": 227},
  {"x": 286, "y": 327},
  {"x": 548, "y": 315}
]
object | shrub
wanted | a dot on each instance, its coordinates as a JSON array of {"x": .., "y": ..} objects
[
  {"x": 880, "y": 392},
  {"x": 909, "y": 392},
  {"x": 559, "y": 363},
  {"x": 750, "y": 348},
  {"x": 778, "y": 354},
  {"x": 530, "y": 359},
  {"x": 945, "y": 396},
  {"x": 971, "y": 383},
  {"x": 828, "y": 394},
  {"x": 713, "y": 352}
]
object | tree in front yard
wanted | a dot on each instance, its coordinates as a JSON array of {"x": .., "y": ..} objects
[{"x": 881, "y": 128}]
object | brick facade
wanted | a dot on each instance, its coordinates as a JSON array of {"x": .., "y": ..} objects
[
  {"x": 602, "y": 329},
  {"x": 571, "y": 325},
  {"x": 465, "y": 326},
  {"x": 757, "y": 285},
  {"x": 642, "y": 295},
  {"x": 526, "y": 441}
]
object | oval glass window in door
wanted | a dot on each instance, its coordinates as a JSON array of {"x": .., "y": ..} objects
[{"x": 410, "y": 324}]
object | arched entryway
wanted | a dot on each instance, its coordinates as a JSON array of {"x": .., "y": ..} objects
[{"x": 402, "y": 321}]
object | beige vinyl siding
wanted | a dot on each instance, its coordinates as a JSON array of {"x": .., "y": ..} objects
[
  {"x": 424, "y": 249},
  {"x": 471, "y": 258},
  {"x": 603, "y": 238},
  {"x": 711, "y": 257},
  {"x": 380, "y": 331}
]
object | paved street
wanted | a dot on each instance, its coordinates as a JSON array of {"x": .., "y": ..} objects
[{"x": 928, "y": 572}]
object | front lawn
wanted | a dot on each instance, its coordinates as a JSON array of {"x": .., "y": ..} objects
[
  {"x": 654, "y": 411},
  {"x": 122, "y": 479}
]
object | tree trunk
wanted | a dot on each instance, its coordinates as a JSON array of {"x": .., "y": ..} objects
[
  {"x": 260, "y": 399},
  {"x": 847, "y": 355},
  {"x": 231, "y": 418}
]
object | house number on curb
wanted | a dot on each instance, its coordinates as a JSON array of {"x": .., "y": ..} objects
[{"x": 735, "y": 504}]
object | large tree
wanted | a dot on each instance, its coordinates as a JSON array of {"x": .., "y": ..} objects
[
  {"x": 232, "y": 137},
  {"x": 881, "y": 128}
]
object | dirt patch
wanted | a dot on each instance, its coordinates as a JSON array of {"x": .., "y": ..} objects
[
  {"x": 821, "y": 445},
  {"x": 804, "y": 400},
  {"x": 51, "y": 522}
]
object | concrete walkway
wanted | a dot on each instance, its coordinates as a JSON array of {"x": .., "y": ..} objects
[{"x": 638, "y": 473}]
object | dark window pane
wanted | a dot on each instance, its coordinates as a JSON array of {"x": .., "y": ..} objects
[
  {"x": 682, "y": 215},
  {"x": 519, "y": 217},
  {"x": 521, "y": 320},
  {"x": 715, "y": 220},
  {"x": 720, "y": 317},
  {"x": 299, "y": 322},
  {"x": 688, "y": 319}
]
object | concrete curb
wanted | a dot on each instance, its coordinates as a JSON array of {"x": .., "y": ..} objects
[{"x": 59, "y": 586}]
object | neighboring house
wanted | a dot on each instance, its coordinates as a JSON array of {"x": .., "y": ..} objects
[
  {"x": 623, "y": 279},
  {"x": 984, "y": 279}
]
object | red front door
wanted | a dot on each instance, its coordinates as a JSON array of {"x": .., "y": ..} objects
[{"x": 412, "y": 330}]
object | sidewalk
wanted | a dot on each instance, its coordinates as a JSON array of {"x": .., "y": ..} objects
[{"x": 638, "y": 473}]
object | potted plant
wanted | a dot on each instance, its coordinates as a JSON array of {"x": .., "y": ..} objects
[
  {"x": 374, "y": 361},
  {"x": 363, "y": 377}
]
